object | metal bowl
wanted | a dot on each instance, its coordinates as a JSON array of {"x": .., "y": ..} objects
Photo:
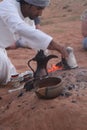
[{"x": 49, "y": 87}]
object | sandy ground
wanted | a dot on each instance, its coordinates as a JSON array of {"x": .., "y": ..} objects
[{"x": 62, "y": 21}]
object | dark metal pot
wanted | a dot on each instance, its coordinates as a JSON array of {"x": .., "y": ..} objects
[{"x": 49, "y": 87}]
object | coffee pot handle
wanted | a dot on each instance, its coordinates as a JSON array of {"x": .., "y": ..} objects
[{"x": 30, "y": 65}]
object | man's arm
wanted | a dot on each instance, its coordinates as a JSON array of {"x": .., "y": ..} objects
[{"x": 55, "y": 46}]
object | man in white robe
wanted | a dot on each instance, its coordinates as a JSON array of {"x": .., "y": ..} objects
[{"x": 17, "y": 29}]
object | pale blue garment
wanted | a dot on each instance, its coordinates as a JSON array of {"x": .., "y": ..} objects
[{"x": 84, "y": 43}]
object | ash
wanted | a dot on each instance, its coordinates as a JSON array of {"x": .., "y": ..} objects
[{"x": 73, "y": 80}]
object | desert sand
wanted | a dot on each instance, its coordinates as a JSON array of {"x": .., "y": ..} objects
[{"x": 69, "y": 110}]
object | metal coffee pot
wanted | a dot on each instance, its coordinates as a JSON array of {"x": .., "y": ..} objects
[{"x": 41, "y": 59}]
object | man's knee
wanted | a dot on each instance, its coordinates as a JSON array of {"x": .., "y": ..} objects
[{"x": 4, "y": 69}]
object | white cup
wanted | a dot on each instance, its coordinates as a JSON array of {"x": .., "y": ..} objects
[{"x": 71, "y": 61}]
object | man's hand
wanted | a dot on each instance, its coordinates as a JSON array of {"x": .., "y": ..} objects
[{"x": 54, "y": 46}]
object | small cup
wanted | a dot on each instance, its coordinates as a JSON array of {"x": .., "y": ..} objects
[{"x": 71, "y": 61}]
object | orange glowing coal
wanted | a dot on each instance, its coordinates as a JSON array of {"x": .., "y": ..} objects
[{"x": 54, "y": 68}]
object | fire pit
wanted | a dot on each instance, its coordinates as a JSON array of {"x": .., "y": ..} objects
[
  {"x": 46, "y": 86},
  {"x": 49, "y": 87}
]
